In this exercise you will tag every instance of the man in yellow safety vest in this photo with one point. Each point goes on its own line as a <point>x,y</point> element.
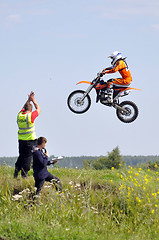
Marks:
<point>26,135</point>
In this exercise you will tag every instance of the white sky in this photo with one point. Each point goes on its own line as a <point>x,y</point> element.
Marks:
<point>49,45</point>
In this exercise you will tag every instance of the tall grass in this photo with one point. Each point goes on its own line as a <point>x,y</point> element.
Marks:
<point>108,204</point>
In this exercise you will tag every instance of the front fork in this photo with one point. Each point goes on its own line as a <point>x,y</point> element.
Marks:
<point>87,92</point>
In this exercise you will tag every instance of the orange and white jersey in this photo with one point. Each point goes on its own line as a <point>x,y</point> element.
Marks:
<point>120,66</point>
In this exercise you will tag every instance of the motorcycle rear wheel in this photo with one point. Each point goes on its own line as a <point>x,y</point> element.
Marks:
<point>74,103</point>
<point>132,112</point>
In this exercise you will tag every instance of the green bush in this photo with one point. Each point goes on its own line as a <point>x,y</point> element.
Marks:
<point>113,160</point>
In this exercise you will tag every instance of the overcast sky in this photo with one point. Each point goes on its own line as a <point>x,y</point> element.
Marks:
<point>49,45</point>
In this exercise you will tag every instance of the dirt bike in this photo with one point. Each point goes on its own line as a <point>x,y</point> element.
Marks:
<point>79,101</point>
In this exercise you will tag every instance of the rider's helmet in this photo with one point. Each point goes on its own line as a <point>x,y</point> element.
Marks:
<point>116,55</point>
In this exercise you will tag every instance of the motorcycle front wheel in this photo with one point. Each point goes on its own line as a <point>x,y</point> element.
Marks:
<point>131,112</point>
<point>75,104</point>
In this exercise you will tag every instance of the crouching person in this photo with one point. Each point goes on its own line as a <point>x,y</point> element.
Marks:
<point>40,162</point>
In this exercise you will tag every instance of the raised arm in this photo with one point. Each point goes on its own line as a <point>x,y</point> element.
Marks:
<point>36,105</point>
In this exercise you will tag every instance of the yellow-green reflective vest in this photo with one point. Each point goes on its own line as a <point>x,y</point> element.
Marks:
<point>26,127</point>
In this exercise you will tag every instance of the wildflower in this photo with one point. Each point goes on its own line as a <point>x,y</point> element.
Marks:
<point>77,185</point>
<point>155,166</point>
<point>148,170</point>
<point>120,187</point>
<point>154,194</point>
<point>47,186</point>
<point>25,191</point>
<point>156,205</point>
<point>156,173</point>
<point>94,209</point>
<point>112,168</point>
<point>152,211</point>
<point>139,200</point>
<point>16,197</point>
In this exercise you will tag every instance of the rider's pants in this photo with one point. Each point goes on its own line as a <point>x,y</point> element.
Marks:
<point>119,81</point>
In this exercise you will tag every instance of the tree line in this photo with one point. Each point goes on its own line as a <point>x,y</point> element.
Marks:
<point>112,159</point>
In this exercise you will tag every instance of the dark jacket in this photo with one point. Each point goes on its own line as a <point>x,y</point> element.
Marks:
<point>40,162</point>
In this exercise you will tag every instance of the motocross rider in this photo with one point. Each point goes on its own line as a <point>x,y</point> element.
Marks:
<point>118,64</point>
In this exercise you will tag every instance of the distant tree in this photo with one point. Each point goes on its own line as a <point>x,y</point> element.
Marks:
<point>87,164</point>
<point>114,159</point>
<point>8,161</point>
<point>140,160</point>
<point>101,163</point>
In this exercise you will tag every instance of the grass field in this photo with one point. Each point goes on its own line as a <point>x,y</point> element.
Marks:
<point>104,204</point>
